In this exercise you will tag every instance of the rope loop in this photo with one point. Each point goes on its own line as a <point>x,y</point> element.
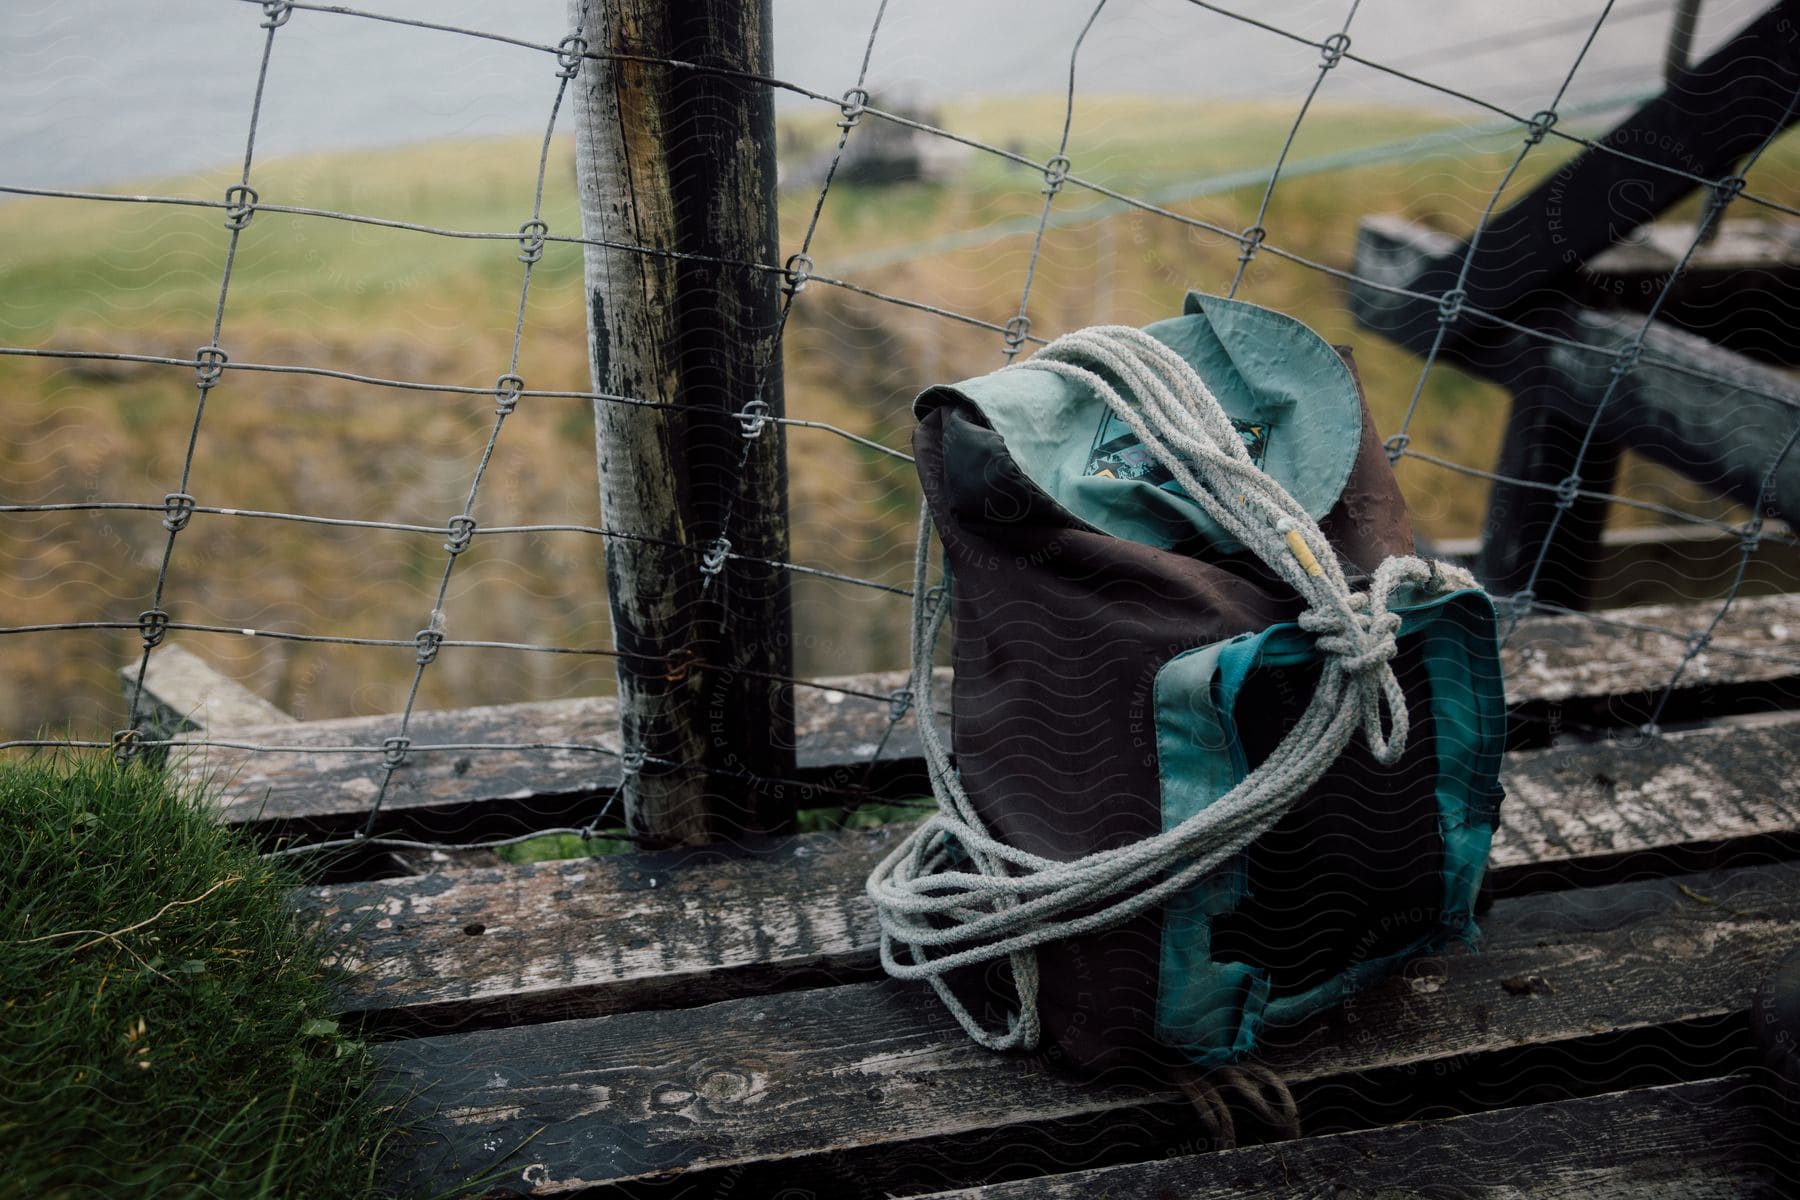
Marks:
<point>569,53</point>
<point>952,895</point>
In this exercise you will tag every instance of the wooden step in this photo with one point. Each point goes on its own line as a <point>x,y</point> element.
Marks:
<point>845,1086</point>
<point>1562,673</point>
<point>1692,1141</point>
<point>513,944</point>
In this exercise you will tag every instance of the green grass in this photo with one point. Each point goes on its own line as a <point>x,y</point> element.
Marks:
<point>167,1026</point>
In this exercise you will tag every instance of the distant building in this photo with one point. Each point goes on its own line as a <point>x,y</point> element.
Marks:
<point>882,152</point>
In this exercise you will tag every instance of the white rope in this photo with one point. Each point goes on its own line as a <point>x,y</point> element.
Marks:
<point>953,896</point>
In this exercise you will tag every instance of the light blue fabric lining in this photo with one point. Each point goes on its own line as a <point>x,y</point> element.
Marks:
<point>1214,1010</point>
<point>1263,366</point>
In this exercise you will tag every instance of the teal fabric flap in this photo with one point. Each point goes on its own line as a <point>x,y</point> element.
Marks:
<point>1291,397</point>
<point>1212,1010</point>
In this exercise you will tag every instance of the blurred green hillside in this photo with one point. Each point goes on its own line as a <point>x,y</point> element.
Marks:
<point>399,304</point>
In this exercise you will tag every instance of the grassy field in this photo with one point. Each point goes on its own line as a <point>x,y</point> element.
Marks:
<point>168,1028</point>
<point>400,304</point>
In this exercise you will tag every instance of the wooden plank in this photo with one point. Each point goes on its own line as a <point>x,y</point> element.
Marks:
<point>467,948</point>
<point>473,793</point>
<point>184,693</point>
<point>685,161</point>
<point>1688,1141</point>
<point>1562,668</point>
<point>822,1080</point>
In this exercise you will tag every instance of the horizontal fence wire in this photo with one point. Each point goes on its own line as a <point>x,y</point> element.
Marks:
<point>213,367</point>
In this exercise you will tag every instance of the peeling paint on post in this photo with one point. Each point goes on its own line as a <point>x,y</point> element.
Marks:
<point>678,164</point>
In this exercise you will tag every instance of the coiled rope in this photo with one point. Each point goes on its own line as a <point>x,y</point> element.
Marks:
<point>953,896</point>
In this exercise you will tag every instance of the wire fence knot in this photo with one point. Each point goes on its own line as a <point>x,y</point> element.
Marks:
<point>1056,173</point>
<point>631,762</point>
<point>1541,123</point>
<point>209,364</point>
<point>712,561</point>
<point>1396,446</point>
<point>1567,490</point>
<point>1450,305</point>
<point>460,529</point>
<point>178,510</point>
<point>798,270</point>
<point>507,390</point>
<point>1251,240</point>
<point>1521,603</point>
<point>1626,361</point>
<point>276,13</point>
<point>900,702</point>
<point>1697,643</point>
<point>934,596</point>
<point>569,53</point>
<point>428,641</point>
<point>1016,331</point>
<point>153,623</point>
<point>240,205</point>
<point>1728,189</point>
<point>393,750</point>
<point>531,240</point>
<point>853,105</point>
<point>126,744</point>
<point>1332,50</point>
<point>751,419</point>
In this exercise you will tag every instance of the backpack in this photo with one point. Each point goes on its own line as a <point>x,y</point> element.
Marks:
<point>1225,752</point>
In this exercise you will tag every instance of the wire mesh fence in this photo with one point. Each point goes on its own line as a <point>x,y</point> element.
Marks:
<point>370,339</point>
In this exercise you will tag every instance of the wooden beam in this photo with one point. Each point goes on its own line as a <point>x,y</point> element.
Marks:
<point>1693,1141</point>
<point>1560,671</point>
<point>676,169</point>
<point>516,944</point>
<point>842,1084</point>
<point>1715,416</point>
<point>185,694</point>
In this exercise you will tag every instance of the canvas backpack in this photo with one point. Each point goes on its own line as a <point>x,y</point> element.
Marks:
<point>1147,848</point>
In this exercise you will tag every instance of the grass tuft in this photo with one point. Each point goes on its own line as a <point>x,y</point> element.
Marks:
<point>166,1027</point>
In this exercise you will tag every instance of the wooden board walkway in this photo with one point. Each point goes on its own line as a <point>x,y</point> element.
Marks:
<point>713,1023</point>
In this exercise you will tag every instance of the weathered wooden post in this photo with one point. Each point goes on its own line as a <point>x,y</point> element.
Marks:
<point>675,157</point>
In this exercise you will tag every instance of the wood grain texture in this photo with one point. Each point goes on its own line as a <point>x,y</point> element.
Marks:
<point>1552,664</point>
<point>616,933</point>
<point>835,1072</point>
<point>676,170</point>
<point>1688,1141</point>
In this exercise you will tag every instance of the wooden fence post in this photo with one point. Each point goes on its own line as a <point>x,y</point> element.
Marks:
<point>676,168</point>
